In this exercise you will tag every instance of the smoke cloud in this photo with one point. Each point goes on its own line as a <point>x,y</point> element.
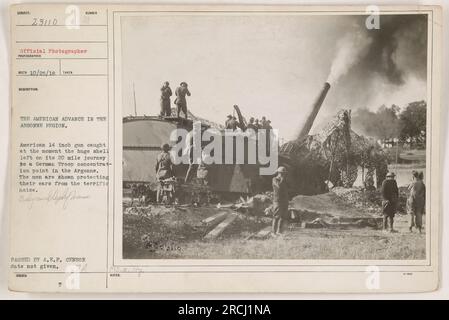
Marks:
<point>397,49</point>
<point>350,49</point>
<point>371,68</point>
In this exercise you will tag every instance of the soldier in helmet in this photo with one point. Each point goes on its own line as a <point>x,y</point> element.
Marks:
<point>280,201</point>
<point>234,123</point>
<point>166,93</point>
<point>251,124</point>
<point>268,125</point>
<point>164,165</point>
<point>257,124</point>
<point>416,201</point>
<point>390,195</point>
<point>231,123</point>
<point>180,100</point>
<point>228,120</point>
<point>263,123</point>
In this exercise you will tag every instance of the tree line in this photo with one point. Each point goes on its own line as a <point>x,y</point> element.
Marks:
<point>390,124</point>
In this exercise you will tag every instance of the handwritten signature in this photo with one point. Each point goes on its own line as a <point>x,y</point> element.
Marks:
<point>58,197</point>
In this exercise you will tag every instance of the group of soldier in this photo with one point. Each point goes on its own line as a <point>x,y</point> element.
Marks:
<point>415,205</point>
<point>181,103</point>
<point>255,124</point>
<point>165,168</point>
<point>279,208</point>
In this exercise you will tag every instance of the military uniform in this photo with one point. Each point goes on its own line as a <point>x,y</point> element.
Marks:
<point>180,100</point>
<point>166,93</point>
<point>280,203</point>
<point>251,126</point>
<point>231,124</point>
<point>227,122</point>
<point>164,166</point>
<point>390,194</point>
<point>416,203</point>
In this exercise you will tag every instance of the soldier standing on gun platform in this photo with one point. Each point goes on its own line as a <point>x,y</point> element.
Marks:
<point>263,123</point>
<point>257,125</point>
<point>166,93</point>
<point>231,123</point>
<point>390,194</point>
<point>251,124</point>
<point>268,125</point>
<point>180,100</point>
<point>228,119</point>
<point>280,201</point>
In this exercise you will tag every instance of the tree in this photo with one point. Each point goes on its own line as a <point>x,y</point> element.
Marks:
<point>388,122</point>
<point>413,123</point>
<point>383,124</point>
<point>362,122</point>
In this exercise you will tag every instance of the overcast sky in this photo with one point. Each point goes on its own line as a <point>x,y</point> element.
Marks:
<point>270,65</point>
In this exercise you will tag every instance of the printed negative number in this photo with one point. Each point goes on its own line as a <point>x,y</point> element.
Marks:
<point>39,22</point>
<point>244,310</point>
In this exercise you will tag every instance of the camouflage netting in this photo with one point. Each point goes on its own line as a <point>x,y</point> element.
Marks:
<point>334,155</point>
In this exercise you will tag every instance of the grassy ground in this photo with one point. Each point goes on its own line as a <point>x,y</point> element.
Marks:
<point>315,244</point>
<point>405,155</point>
<point>409,160</point>
<point>184,240</point>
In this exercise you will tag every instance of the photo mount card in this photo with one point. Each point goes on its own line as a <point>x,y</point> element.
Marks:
<point>249,148</point>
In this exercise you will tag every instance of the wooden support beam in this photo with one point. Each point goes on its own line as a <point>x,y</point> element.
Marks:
<point>218,217</point>
<point>221,227</point>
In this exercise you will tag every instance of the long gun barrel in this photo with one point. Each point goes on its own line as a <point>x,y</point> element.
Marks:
<point>316,107</point>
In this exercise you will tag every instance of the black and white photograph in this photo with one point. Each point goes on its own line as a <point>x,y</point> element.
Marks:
<point>274,136</point>
<point>227,149</point>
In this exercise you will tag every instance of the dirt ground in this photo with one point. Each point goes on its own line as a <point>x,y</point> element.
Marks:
<point>160,232</point>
